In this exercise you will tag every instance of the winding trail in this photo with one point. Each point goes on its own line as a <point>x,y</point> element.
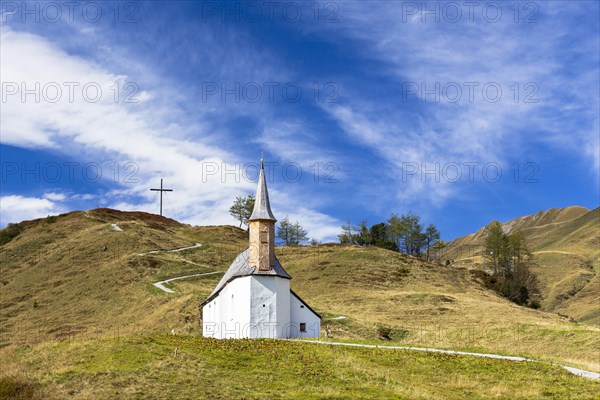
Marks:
<point>575,371</point>
<point>161,286</point>
<point>559,252</point>
<point>171,251</point>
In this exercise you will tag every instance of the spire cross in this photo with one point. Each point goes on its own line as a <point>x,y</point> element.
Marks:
<point>161,190</point>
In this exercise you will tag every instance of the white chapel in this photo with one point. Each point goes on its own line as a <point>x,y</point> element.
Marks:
<point>254,299</point>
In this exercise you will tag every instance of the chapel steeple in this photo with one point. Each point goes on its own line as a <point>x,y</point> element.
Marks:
<point>262,207</point>
<point>262,228</point>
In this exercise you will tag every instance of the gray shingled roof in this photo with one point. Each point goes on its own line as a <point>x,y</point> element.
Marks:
<point>262,208</point>
<point>241,267</point>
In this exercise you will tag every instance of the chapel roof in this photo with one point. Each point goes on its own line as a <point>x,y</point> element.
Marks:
<point>241,267</point>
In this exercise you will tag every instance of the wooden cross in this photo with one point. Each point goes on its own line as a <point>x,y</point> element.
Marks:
<point>161,190</point>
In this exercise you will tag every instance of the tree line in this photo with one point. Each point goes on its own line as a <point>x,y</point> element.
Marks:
<point>510,259</point>
<point>404,233</point>
<point>506,254</point>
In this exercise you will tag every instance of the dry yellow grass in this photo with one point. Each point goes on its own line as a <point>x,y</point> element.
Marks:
<point>58,283</point>
<point>78,276</point>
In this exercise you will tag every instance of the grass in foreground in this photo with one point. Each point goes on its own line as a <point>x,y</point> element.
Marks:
<point>161,367</point>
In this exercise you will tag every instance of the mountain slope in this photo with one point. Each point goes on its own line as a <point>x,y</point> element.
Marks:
<point>566,245</point>
<point>77,276</point>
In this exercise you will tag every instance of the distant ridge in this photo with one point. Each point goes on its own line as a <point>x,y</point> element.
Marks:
<point>566,243</point>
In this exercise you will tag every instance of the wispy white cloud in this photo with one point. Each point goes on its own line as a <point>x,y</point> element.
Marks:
<point>317,225</point>
<point>94,129</point>
<point>407,152</point>
<point>289,141</point>
<point>17,208</point>
<point>423,126</point>
<point>187,155</point>
<point>55,196</point>
<point>195,144</point>
<point>82,196</point>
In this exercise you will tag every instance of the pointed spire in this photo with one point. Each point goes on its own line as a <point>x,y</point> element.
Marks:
<point>262,207</point>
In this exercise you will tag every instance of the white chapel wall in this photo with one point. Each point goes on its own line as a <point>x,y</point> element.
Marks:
<point>259,306</point>
<point>228,315</point>
<point>299,313</point>
<point>269,306</point>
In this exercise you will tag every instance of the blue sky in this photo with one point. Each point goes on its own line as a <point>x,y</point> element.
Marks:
<point>461,113</point>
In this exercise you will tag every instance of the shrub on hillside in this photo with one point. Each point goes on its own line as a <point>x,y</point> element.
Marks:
<point>9,233</point>
<point>535,304</point>
<point>17,389</point>
<point>384,332</point>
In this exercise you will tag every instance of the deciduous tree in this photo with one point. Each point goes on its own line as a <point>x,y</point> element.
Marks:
<point>242,208</point>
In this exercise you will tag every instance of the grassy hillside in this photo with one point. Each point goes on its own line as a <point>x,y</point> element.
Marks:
<point>167,367</point>
<point>77,300</point>
<point>75,274</point>
<point>429,304</point>
<point>566,243</point>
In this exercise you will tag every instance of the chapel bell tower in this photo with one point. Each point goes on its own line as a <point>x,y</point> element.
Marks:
<point>262,228</point>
